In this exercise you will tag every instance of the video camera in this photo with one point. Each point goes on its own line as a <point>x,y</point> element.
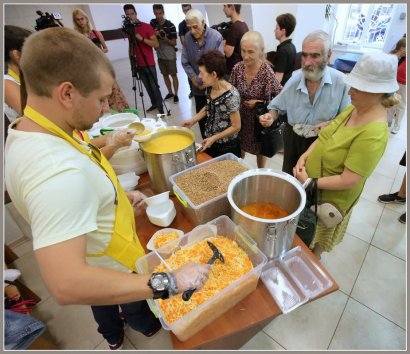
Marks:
<point>223,28</point>
<point>47,21</point>
<point>128,26</point>
<point>163,32</point>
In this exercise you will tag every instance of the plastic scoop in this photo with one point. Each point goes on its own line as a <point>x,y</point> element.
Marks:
<point>137,126</point>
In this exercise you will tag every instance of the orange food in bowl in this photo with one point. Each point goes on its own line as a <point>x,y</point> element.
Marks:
<point>164,238</point>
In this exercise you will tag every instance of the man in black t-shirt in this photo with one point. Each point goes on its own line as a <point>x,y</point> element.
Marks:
<point>284,61</point>
<point>182,31</point>
<point>232,45</point>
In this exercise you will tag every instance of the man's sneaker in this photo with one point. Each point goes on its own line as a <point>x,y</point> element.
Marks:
<point>190,95</point>
<point>402,218</point>
<point>154,331</point>
<point>119,345</point>
<point>391,198</point>
<point>151,108</point>
<point>168,96</point>
<point>176,99</point>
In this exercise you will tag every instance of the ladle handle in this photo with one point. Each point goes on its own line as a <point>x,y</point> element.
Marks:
<point>104,131</point>
<point>187,294</point>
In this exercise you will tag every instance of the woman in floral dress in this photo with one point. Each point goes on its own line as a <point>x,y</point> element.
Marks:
<point>222,107</point>
<point>116,100</point>
<point>256,82</point>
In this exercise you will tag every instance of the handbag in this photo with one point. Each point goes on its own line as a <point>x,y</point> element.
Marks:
<point>328,214</point>
<point>306,226</point>
<point>272,139</point>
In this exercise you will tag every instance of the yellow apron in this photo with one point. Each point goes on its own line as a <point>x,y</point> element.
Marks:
<point>124,246</point>
<point>13,74</point>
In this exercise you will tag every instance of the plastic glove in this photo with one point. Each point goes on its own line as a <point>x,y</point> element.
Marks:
<point>121,137</point>
<point>191,276</point>
<point>136,197</point>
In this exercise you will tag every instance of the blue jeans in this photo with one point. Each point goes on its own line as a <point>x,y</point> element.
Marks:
<point>148,76</point>
<point>137,314</point>
<point>20,330</point>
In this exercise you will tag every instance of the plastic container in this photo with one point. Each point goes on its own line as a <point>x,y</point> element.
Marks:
<point>128,159</point>
<point>128,181</point>
<point>294,279</point>
<point>202,213</point>
<point>157,199</point>
<point>200,317</point>
<point>162,214</point>
<point>150,244</point>
<point>119,120</point>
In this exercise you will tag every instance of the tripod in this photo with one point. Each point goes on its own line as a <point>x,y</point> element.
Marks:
<point>134,44</point>
<point>135,79</point>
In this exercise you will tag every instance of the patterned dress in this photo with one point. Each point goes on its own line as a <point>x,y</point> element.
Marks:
<point>264,86</point>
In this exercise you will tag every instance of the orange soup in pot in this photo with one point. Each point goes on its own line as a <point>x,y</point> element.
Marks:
<point>265,210</point>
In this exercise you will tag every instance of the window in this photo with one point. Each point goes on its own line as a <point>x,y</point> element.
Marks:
<point>367,25</point>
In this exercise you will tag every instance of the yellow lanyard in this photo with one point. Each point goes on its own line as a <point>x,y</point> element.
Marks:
<point>13,74</point>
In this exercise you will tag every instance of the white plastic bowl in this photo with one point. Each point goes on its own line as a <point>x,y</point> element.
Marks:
<point>150,244</point>
<point>157,199</point>
<point>162,214</point>
<point>119,120</point>
<point>128,181</point>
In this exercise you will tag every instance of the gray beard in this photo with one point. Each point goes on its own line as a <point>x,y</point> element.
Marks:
<point>315,75</point>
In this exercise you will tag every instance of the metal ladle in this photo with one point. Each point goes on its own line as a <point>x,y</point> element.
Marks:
<point>137,126</point>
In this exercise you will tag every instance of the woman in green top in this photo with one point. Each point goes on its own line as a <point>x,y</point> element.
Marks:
<point>350,147</point>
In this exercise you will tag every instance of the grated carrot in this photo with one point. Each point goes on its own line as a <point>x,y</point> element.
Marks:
<point>164,238</point>
<point>237,264</point>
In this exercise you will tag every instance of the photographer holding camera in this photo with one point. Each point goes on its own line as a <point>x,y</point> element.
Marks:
<point>146,39</point>
<point>167,58</point>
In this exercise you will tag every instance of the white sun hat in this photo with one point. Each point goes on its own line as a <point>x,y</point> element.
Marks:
<point>375,73</point>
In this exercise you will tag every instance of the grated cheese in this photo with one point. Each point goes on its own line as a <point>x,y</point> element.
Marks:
<point>164,238</point>
<point>237,264</point>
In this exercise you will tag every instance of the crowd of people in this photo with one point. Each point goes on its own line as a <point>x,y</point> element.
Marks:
<point>336,131</point>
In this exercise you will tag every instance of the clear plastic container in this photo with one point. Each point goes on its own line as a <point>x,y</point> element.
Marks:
<point>294,279</point>
<point>197,319</point>
<point>202,213</point>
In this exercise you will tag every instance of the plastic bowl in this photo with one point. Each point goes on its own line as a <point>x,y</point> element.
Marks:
<point>150,244</point>
<point>119,120</point>
<point>128,181</point>
<point>162,214</point>
<point>157,199</point>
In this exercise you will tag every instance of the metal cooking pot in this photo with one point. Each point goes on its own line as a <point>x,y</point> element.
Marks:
<point>162,166</point>
<point>273,236</point>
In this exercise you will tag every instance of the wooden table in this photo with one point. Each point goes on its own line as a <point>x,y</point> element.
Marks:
<point>239,324</point>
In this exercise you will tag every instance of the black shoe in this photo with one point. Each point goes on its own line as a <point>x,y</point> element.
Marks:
<point>161,111</point>
<point>176,99</point>
<point>190,95</point>
<point>154,331</point>
<point>168,96</point>
<point>151,108</point>
<point>391,198</point>
<point>402,218</point>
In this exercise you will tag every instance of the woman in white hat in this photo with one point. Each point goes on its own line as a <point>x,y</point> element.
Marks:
<point>349,148</point>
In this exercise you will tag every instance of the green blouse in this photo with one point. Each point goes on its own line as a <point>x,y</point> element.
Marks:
<point>358,148</point>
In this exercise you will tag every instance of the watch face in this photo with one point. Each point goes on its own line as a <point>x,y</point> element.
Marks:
<point>159,282</point>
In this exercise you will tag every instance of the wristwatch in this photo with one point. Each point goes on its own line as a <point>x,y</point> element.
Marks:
<point>162,285</point>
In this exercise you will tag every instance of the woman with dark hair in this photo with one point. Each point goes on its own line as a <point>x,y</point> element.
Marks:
<point>81,22</point>
<point>14,38</point>
<point>222,107</point>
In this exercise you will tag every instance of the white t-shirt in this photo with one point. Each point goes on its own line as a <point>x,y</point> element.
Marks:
<point>60,192</point>
<point>11,114</point>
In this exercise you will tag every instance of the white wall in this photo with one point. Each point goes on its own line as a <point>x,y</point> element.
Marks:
<point>397,28</point>
<point>216,14</point>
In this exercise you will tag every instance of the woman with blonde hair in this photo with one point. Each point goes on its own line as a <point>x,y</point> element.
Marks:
<point>256,82</point>
<point>348,150</point>
<point>81,22</point>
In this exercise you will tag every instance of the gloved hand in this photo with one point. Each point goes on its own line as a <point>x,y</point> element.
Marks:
<point>136,198</point>
<point>191,276</point>
<point>121,137</point>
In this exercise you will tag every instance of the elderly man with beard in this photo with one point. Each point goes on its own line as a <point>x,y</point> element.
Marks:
<point>312,97</point>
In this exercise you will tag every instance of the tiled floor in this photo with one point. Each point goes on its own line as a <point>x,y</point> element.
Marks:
<point>368,312</point>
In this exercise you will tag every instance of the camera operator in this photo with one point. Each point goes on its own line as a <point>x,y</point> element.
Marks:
<point>166,52</point>
<point>232,43</point>
<point>146,39</point>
